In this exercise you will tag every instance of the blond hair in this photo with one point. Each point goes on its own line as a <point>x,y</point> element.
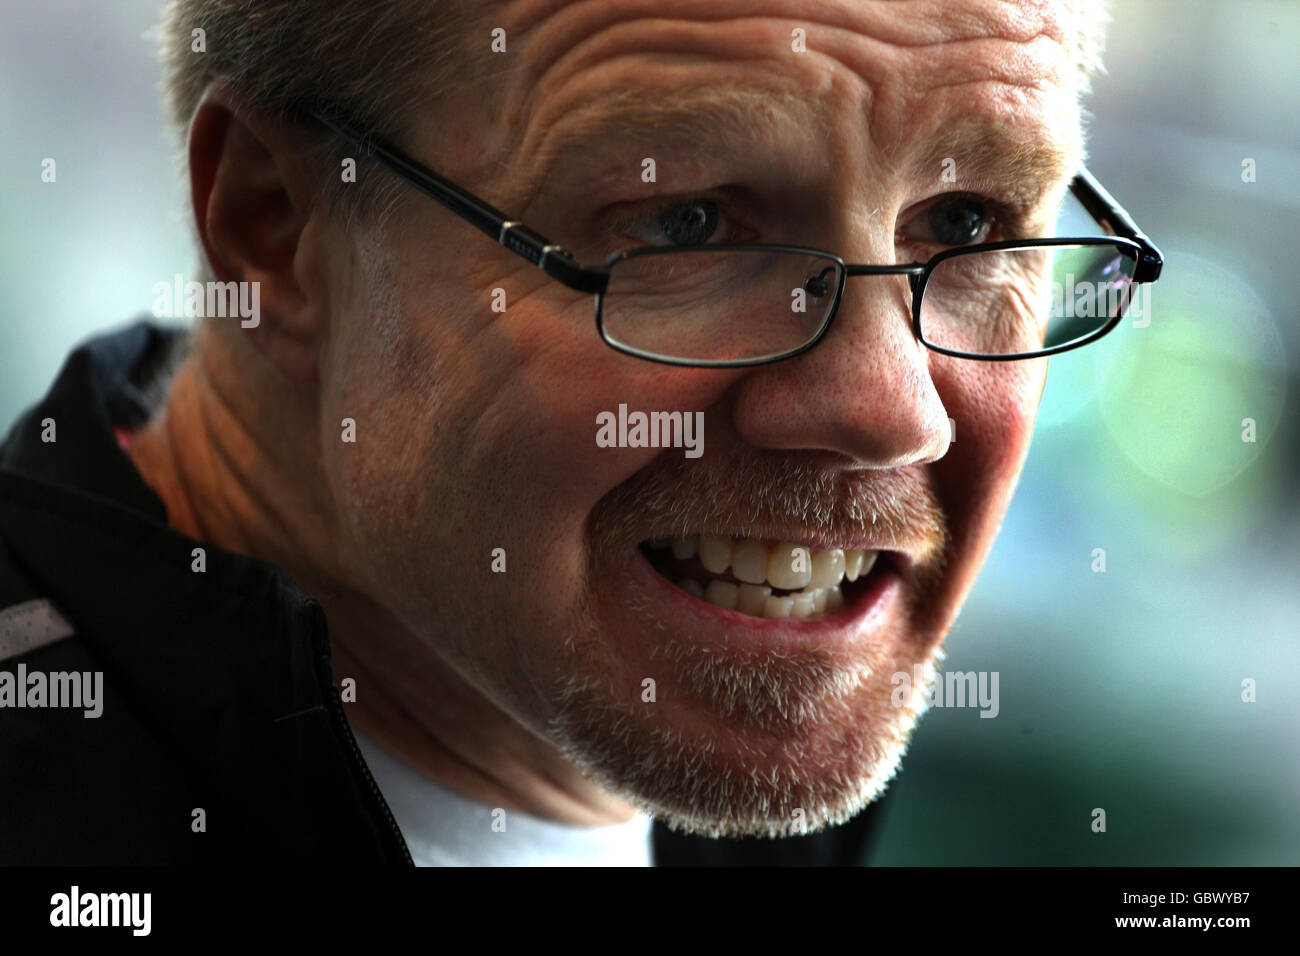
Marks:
<point>373,63</point>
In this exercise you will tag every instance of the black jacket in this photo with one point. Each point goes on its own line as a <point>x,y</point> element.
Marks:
<point>218,691</point>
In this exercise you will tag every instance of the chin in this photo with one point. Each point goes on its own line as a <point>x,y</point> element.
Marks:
<point>725,715</point>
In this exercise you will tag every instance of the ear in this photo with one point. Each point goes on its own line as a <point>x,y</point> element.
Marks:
<point>252,202</point>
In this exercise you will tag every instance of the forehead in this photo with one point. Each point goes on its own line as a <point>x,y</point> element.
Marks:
<point>887,85</point>
<point>897,65</point>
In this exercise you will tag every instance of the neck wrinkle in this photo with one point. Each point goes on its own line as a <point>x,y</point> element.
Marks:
<point>495,760</point>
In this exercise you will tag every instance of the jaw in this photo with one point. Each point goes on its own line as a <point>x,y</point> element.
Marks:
<point>726,723</point>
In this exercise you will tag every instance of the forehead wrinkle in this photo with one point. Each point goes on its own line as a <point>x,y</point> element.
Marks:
<point>709,114</point>
<point>901,23</point>
<point>556,31</point>
<point>563,38</point>
<point>635,112</point>
<point>731,110</point>
<point>918,24</point>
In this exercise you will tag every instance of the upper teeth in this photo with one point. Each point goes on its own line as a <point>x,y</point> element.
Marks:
<point>789,567</point>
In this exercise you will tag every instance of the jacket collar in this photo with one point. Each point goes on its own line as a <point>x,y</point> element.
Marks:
<point>229,666</point>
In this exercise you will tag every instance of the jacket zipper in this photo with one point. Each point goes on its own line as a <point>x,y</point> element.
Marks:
<point>360,764</point>
<point>341,720</point>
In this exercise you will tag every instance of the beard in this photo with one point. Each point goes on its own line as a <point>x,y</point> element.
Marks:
<point>730,742</point>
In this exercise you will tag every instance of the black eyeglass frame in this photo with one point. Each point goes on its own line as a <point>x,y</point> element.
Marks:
<point>558,263</point>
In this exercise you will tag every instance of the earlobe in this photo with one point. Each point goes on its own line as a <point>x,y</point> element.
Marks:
<point>249,188</point>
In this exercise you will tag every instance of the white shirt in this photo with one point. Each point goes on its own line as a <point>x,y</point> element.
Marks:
<point>444,828</point>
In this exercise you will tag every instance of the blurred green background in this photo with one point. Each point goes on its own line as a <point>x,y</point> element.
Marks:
<point>1120,690</point>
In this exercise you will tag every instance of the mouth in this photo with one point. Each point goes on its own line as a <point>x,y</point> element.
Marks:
<point>767,579</point>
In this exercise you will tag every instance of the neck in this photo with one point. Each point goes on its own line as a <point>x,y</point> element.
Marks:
<point>232,479</point>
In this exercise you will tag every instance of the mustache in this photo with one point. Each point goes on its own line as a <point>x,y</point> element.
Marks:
<point>750,489</point>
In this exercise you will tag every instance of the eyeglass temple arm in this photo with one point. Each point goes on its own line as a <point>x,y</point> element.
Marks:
<point>1102,206</point>
<point>554,260</point>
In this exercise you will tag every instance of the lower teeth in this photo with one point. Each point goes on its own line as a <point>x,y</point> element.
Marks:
<point>758,600</point>
<point>702,564</point>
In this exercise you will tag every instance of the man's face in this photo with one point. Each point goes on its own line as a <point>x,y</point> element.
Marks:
<point>477,428</point>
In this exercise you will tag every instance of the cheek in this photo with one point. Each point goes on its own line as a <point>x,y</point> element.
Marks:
<point>544,378</point>
<point>477,430</point>
<point>994,406</point>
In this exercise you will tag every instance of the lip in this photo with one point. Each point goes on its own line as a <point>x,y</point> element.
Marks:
<point>860,620</point>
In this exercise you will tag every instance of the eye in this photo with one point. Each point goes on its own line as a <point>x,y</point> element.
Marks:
<point>690,223</point>
<point>682,223</point>
<point>954,221</point>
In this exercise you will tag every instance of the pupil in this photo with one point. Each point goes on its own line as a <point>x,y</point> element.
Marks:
<point>957,223</point>
<point>689,223</point>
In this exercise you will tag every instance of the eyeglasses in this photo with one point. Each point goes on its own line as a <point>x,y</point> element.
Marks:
<point>729,306</point>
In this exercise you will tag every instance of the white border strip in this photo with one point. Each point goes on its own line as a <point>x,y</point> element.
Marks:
<point>32,624</point>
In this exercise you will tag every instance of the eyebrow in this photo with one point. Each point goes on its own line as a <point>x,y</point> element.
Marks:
<point>638,115</point>
<point>1021,163</point>
<point>1024,162</point>
<point>706,111</point>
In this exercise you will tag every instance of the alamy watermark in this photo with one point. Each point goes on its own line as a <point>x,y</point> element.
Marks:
<point>1100,299</point>
<point>76,689</point>
<point>651,430</point>
<point>75,908</point>
<point>948,689</point>
<point>196,300</point>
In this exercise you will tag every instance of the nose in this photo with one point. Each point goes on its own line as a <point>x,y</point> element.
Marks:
<point>863,392</point>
